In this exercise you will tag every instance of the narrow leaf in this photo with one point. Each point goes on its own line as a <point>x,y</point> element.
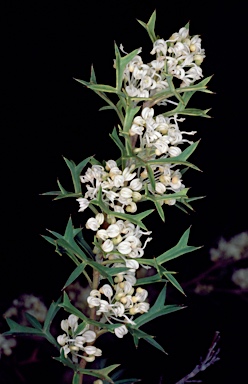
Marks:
<point>74,275</point>
<point>52,311</point>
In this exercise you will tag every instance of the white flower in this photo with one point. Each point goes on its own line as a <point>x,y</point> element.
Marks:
<point>102,234</point>
<point>136,185</point>
<point>174,151</point>
<point>160,188</point>
<point>73,342</point>
<point>92,224</point>
<point>72,322</point>
<point>106,290</point>
<point>126,193</point>
<point>83,203</point>
<point>107,246</point>
<point>113,230</point>
<point>124,247</point>
<point>121,331</point>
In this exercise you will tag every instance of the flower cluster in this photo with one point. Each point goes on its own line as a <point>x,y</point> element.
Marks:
<point>119,303</point>
<point>73,340</point>
<point>121,239</point>
<point>120,189</point>
<point>162,134</point>
<point>236,248</point>
<point>27,303</point>
<point>180,56</point>
<point>6,345</point>
<point>240,278</point>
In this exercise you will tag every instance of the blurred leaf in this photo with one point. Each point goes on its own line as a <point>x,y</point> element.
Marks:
<point>76,378</point>
<point>16,328</point>
<point>51,313</point>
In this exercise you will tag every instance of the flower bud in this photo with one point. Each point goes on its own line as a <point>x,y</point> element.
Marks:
<point>121,331</point>
<point>136,196</point>
<point>107,246</point>
<point>198,59</point>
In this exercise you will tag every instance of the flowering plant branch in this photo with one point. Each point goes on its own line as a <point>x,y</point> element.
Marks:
<point>153,159</point>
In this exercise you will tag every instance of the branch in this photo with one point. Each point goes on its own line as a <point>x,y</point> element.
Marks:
<point>211,358</point>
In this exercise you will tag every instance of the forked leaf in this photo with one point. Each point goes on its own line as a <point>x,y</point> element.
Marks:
<point>158,309</point>
<point>74,275</point>
<point>102,374</point>
<point>189,112</point>
<point>134,218</point>
<point>114,136</point>
<point>51,313</point>
<point>33,321</point>
<point>121,63</point>
<point>174,282</point>
<point>16,329</point>
<point>149,280</point>
<point>150,26</point>
<point>76,171</point>
<point>179,249</point>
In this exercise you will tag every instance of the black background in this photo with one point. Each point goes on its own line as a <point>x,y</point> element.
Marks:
<point>46,115</point>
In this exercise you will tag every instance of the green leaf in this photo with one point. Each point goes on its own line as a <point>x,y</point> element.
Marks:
<point>121,63</point>
<point>169,79</point>
<point>150,280</point>
<point>158,309</point>
<point>151,176</point>
<point>134,218</point>
<point>76,378</point>
<point>114,136</point>
<point>100,87</point>
<point>51,313</point>
<point>80,240</point>
<point>173,281</point>
<point>150,26</point>
<point>180,159</point>
<point>92,75</point>
<point>189,112</point>
<point>102,374</point>
<point>130,113</point>
<point>73,250</point>
<point>155,344</point>
<point>16,328</point>
<point>71,232</point>
<point>105,108</point>
<point>74,275</point>
<point>70,194</point>
<point>49,239</point>
<point>71,309</point>
<point>179,249</point>
<point>33,321</point>
<point>159,210</point>
<point>76,171</point>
